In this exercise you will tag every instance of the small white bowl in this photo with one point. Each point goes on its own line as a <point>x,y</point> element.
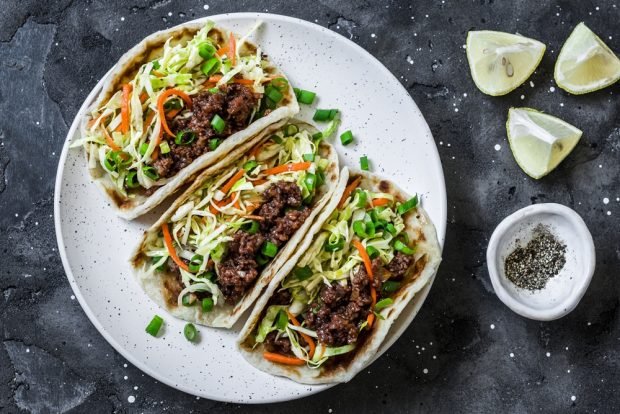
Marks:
<point>562,292</point>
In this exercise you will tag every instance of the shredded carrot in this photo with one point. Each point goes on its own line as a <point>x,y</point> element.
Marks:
<point>143,97</point>
<point>257,218</point>
<point>170,247</point>
<point>260,181</point>
<point>282,359</point>
<point>125,108</point>
<point>380,202</point>
<point>348,191</point>
<point>237,204</point>
<point>371,316</point>
<point>307,338</point>
<point>214,78</point>
<point>300,166</point>
<point>232,48</point>
<point>226,187</point>
<point>222,51</point>
<point>173,113</point>
<point>155,153</point>
<point>109,140</point>
<point>148,120</point>
<point>160,105</point>
<point>256,150</point>
<point>217,78</point>
<point>92,121</point>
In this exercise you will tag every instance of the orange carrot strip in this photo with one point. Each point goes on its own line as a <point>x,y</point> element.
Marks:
<point>170,247</point>
<point>173,113</point>
<point>226,187</point>
<point>148,120</point>
<point>214,78</point>
<point>371,316</point>
<point>125,108</point>
<point>160,105</point>
<point>360,248</point>
<point>380,202</point>
<point>282,359</point>
<point>232,48</point>
<point>243,81</point>
<point>300,166</point>
<point>109,140</point>
<point>347,191</point>
<point>307,338</point>
<point>92,121</point>
<point>222,51</point>
<point>237,204</point>
<point>260,181</point>
<point>143,97</point>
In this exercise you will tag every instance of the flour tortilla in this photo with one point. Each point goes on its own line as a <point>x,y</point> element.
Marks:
<point>149,49</point>
<point>224,315</point>
<point>428,256</point>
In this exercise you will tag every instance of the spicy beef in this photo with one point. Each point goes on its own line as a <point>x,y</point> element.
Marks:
<point>279,345</point>
<point>240,269</point>
<point>399,265</point>
<point>234,103</point>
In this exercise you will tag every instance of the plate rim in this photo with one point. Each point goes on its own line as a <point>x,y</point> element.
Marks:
<point>440,226</point>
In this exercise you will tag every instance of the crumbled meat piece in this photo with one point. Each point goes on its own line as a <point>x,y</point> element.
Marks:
<point>284,227</point>
<point>233,103</point>
<point>360,290</point>
<point>334,294</point>
<point>277,197</point>
<point>399,265</point>
<point>246,244</point>
<point>281,297</point>
<point>235,275</point>
<point>278,345</point>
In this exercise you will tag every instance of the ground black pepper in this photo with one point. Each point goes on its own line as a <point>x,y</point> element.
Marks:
<point>543,257</point>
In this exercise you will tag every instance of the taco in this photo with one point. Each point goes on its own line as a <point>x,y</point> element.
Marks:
<point>329,308</point>
<point>209,257</point>
<point>176,103</point>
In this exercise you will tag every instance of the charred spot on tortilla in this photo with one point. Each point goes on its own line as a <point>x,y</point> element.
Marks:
<point>385,186</point>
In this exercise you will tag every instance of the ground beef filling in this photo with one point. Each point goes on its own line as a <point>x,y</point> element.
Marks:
<point>234,103</point>
<point>239,269</point>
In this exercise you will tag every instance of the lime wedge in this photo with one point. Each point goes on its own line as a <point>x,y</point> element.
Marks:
<point>500,62</point>
<point>539,142</point>
<point>585,63</point>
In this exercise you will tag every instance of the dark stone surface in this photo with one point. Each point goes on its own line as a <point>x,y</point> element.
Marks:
<point>451,359</point>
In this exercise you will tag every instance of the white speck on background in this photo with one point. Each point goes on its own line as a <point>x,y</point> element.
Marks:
<point>409,60</point>
<point>122,19</point>
<point>373,35</point>
<point>568,371</point>
<point>465,95</point>
<point>617,198</point>
<point>425,370</point>
<point>608,213</point>
<point>72,297</point>
<point>512,355</point>
<point>605,200</point>
<point>456,109</point>
<point>552,89</point>
<point>561,103</point>
<point>464,46</point>
<point>597,8</point>
<point>169,13</point>
<point>522,97</point>
<point>600,166</point>
<point>548,354</point>
<point>124,365</point>
<point>492,326</point>
<point>125,378</point>
<point>135,388</point>
<point>573,398</point>
<point>206,7</point>
<point>531,84</point>
<point>330,411</point>
<point>131,399</point>
<point>497,148</point>
<point>27,350</point>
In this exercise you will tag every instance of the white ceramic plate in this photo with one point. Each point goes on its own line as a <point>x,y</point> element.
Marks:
<point>95,245</point>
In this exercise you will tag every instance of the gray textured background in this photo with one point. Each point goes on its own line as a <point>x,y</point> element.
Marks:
<point>456,356</point>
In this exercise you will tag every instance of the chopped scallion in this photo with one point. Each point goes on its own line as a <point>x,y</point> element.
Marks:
<point>364,165</point>
<point>302,273</point>
<point>218,124</point>
<point>210,66</point>
<point>308,157</point>
<point>402,247</point>
<point>346,137</point>
<point>154,326</point>
<point>190,332</point>
<point>206,50</point>
<point>164,147</point>
<point>269,249</point>
<point>185,137</point>
<point>214,143</point>
<point>408,205</point>
<point>383,303</point>
<point>195,263</point>
<point>207,304</point>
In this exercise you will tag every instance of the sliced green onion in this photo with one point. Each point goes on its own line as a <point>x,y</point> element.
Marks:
<point>110,161</point>
<point>156,64</point>
<point>346,137</point>
<point>308,157</point>
<point>208,275</point>
<point>390,286</point>
<point>302,273</point>
<point>364,163</point>
<point>372,252</point>
<point>251,227</point>
<point>154,326</point>
<point>214,143</point>
<point>402,247</point>
<point>184,137</point>
<point>364,230</point>
<point>320,177</point>
<point>218,252</point>
<point>164,147</point>
<point>310,181</point>
<point>250,165</point>
<point>213,90</point>
<point>391,229</point>
<point>270,104</point>
<point>210,66</point>
<point>383,303</point>
<point>156,259</point>
<point>218,124</point>
<point>190,332</point>
<point>325,114</point>
<point>304,96</point>
<point>269,249</point>
<point>317,136</point>
<point>282,320</point>
<point>150,172</point>
<point>131,181</point>
<point>187,299</point>
<point>262,260</point>
<point>408,205</point>
<point>207,304</point>
<point>363,198</point>
<point>206,50</point>
<point>276,139</point>
<point>273,94</point>
<point>290,129</point>
<point>334,247</point>
<point>195,263</point>
<point>143,148</point>
<point>280,84</point>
